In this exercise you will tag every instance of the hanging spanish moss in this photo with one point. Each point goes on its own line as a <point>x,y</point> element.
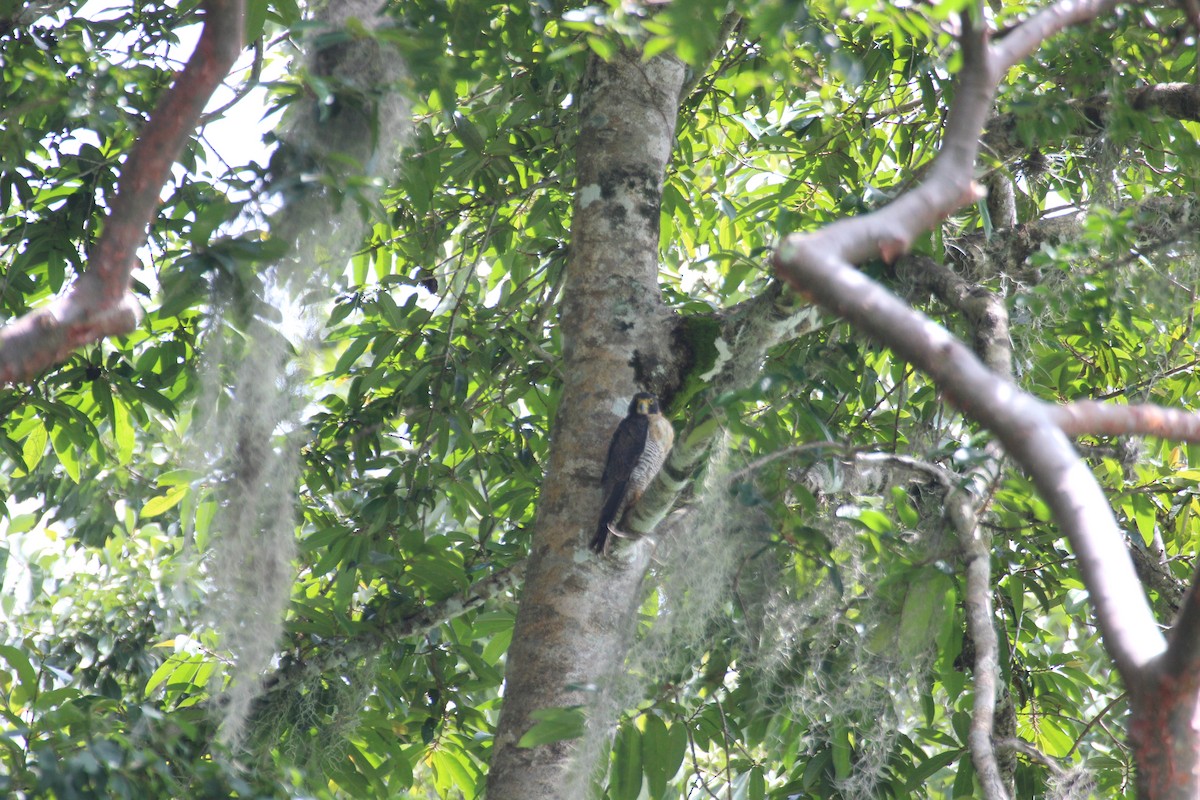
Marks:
<point>724,612</point>
<point>248,432</point>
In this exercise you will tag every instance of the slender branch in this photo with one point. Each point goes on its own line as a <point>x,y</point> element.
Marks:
<point>1026,749</point>
<point>728,25</point>
<point>962,512</point>
<point>787,452</point>
<point>346,651</point>
<point>820,264</point>
<point>243,91</point>
<point>976,544</point>
<point>100,303</point>
<point>1094,721</point>
<point>988,317</point>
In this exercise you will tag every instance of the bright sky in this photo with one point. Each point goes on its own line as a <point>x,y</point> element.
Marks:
<point>236,138</point>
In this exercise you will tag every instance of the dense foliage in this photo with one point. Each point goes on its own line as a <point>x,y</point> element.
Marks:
<point>427,404</point>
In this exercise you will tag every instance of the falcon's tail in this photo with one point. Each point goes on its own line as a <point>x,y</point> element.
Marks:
<point>608,516</point>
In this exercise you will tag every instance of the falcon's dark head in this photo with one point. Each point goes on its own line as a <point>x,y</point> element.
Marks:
<point>643,403</point>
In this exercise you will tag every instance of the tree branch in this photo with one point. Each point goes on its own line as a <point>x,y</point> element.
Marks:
<point>987,315</point>
<point>1157,222</point>
<point>1091,417</point>
<point>335,655</point>
<point>962,512</point>
<point>100,303</point>
<point>821,265</point>
<point>984,311</point>
<point>1026,749</point>
<point>1006,133</point>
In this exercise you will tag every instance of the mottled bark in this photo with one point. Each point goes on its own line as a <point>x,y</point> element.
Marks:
<point>571,627</point>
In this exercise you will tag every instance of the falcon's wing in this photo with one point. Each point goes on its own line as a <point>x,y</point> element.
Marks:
<point>628,442</point>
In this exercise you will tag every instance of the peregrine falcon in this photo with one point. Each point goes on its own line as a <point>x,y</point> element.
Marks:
<point>638,449</point>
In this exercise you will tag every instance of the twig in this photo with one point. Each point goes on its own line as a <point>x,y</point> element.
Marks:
<point>371,642</point>
<point>1025,748</point>
<point>243,90</point>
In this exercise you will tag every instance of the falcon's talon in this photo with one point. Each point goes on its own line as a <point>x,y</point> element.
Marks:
<point>619,534</point>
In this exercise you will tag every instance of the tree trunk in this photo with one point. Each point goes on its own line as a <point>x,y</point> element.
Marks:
<point>572,624</point>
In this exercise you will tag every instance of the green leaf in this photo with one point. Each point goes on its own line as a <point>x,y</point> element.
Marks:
<point>842,752</point>
<point>22,523</point>
<point>206,511</point>
<point>930,766</point>
<point>625,777</point>
<point>34,447</point>
<point>925,607</point>
<point>554,725</point>
<point>26,675</point>
<point>351,355</point>
<point>676,750</point>
<point>757,789</point>
<point>656,757</point>
<point>64,448</point>
<point>122,431</point>
<point>453,771</point>
<point>164,502</point>
<point>164,671</point>
<point>874,520</point>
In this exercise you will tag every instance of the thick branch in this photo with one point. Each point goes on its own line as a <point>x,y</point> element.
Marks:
<point>1156,222</point>
<point>1089,417</point>
<point>100,303</point>
<point>984,311</point>
<point>1024,425</point>
<point>821,264</point>
<point>1008,134</point>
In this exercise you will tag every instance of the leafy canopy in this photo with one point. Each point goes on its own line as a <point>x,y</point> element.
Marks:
<point>429,400</point>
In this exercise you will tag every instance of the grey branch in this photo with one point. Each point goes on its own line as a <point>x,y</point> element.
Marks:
<point>344,652</point>
<point>1026,749</point>
<point>821,265</point>
<point>963,500</point>
<point>1085,117</point>
<point>983,310</point>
